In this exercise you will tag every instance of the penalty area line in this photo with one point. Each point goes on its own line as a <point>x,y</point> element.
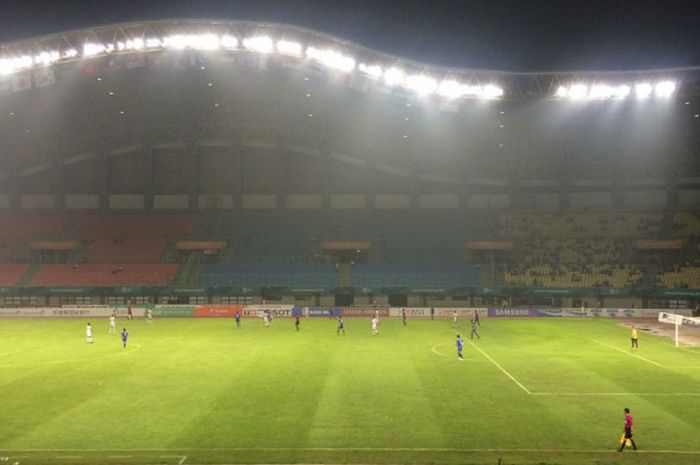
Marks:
<point>505,372</point>
<point>628,353</point>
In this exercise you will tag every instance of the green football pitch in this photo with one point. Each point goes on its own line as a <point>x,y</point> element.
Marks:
<point>546,391</point>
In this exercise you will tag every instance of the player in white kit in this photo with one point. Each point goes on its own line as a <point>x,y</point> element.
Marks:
<point>88,333</point>
<point>112,325</point>
<point>375,325</point>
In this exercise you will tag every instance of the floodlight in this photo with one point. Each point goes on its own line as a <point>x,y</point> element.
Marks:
<point>153,42</point>
<point>423,85</point>
<point>260,44</point>
<point>332,59</point>
<point>665,88</point>
<point>600,91</point>
<point>621,91</point>
<point>491,91</point>
<point>373,71</point>
<point>474,91</point>
<point>193,41</point>
<point>91,49</point>
<point>12,65</point>
<point>70,53</point>
<point>287,47</point>
<point>229,42</point>
<point>562,92</point>
<point>643,90</point>
<point>46,58</point>
<point>394,76</point>
<point>578,91</point>
<point>451,89</point>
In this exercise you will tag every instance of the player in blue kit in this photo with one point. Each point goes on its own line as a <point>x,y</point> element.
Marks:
<point>125,336</point>
<point>237,317</point>
<point>460,345</point>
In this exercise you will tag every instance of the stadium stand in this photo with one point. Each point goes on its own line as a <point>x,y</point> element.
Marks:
<point>686,224</point>
<point>135,225</point>
<point>610,225</point>
<point>31,225</point>
<point>112,274</point>
<point>369,275</point>
<point>687,277</point>
<point>269,275</point>
<point>126,250</point>
<point>569,276</point>
<point>10,273</point>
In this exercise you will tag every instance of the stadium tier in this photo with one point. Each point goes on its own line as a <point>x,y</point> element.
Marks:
<point>573,276</point>
<point>270,275</point>
<point>684,277</point>
<point>10,274</point>
<point>139,225</point>
<point>126,250</point>
<point>104,274</point>
<point>581,225</point>
<point>31,225</point>
<point>418,275</point>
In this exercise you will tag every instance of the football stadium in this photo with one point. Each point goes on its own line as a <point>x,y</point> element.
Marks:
<point>237,242</point>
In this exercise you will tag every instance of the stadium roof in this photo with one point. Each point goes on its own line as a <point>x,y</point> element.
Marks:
<point>187,84</point>
<point>337,54</point>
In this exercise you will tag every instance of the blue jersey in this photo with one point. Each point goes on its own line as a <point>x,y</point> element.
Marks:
<point>124,335</point>
<point>459,344</point>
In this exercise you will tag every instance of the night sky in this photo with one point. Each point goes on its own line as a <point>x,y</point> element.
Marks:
<point>525,35</point>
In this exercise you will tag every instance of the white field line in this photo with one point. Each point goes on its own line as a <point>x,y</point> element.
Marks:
<point>603,394</point>
<point>500,368</point>
<point>181,457</point>
<point>120,456</point>
<point>350,449</point>
<point>629,353</point>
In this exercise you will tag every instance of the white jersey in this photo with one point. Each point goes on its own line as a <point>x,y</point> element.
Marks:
<point>375,322</point>
<point>454,316</point>
<point>149,314</point>
<point>88,331</point>
<point>112,321</point>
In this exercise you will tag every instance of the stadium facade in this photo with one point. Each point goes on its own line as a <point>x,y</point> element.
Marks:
<point>271,162</point>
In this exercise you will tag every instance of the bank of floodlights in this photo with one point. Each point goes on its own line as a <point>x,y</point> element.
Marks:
<point>421,83</point>
<point>640,90</point>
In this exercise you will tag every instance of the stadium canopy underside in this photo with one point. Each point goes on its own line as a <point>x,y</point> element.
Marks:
<point>128,107</point>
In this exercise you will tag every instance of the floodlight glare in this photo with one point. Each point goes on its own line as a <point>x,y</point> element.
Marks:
<point>153,42</point>
<point>474,91</point>
<point>260,44</point>
<point>600,91</point>
<point>423,85</point>
<point>562,92</point>
<point>394,76</point>
<point>578,91</point>
<point>373,71</point>
<point>491,91</point>
<point>332,59</point>
<point>286,47</point>
<point>91,49</point>
<point>643,90</point>
<point>46,58</point>
<point>665,88</point>
<point>451,89</point>
<point>193,41</point>
<point>70,53</point>
<point>229,42</point>
<point>621,91</point>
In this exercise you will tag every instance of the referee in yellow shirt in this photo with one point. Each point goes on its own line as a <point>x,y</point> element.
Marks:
<point>635,340</point>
